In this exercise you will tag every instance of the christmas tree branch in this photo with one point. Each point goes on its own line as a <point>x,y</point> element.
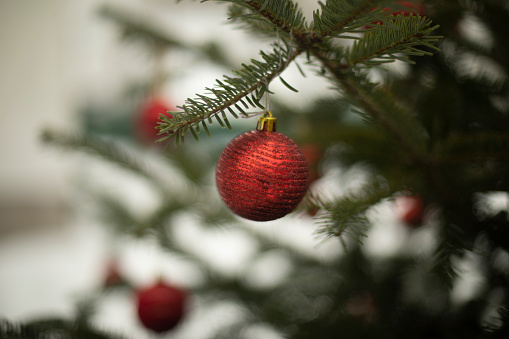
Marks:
<point>52,327</point>
<point>282,14</point>
<point>442,266</point>
<point>101,148</point>
<point>235,95</point>
<point>346,216</point>
<point>228,95</point>
<point>379,106</point>
<point>396,40</point>
<point>339,16</point>
<point>158,224</point>
<point>134,27</point>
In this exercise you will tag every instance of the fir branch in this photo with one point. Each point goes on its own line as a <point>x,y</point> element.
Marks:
<point>232,92</point>
<point>346,217</point>
<point>397,39</point>
<point>229,94</point>
<point>252,80</point>
<point>51,328</point>
<point>136,28</point>
<point>343,16</point>
<point>379,106</point>
<point>282,14</point>
<point>245,19</point>
<point>443,267</point>
<point>120,216</point>
<point>158,224</point>
<point>498,325</point>
<point>339,16</point>
<point>102,148</point>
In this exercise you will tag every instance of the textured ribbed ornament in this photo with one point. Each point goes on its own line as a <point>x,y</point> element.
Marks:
<point>262,175</point>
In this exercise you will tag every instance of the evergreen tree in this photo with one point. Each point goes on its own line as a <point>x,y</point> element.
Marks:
<point>437,132</point>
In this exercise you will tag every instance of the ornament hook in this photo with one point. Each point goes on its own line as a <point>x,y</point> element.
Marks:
<point>266,122</point>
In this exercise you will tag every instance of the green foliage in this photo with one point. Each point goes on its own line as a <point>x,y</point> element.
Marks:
<point>107,150</point>
<point>398,39</point>
<point>51,328</point>
<point>234,95</point>
<point>379,106</point>
<point>342,16</point>
<point>155,38</point>
<point>282,14</point>
<point>136,29</point>
<point>346,217</point>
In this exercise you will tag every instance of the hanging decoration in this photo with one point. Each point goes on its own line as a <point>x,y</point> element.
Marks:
<point>148,119</point>
<point>161,306</point>
<point>262,175</point>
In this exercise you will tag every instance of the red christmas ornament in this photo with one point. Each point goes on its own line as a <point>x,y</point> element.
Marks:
<point>410,209</point>
<point>148,119</point>
<point>313,154</point>
<point>262,174</point>
<point>113,277</point>
<point>161,306</point>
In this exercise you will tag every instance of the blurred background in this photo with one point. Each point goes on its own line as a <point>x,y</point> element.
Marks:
<point>59,61</point>
<point>85,197</point>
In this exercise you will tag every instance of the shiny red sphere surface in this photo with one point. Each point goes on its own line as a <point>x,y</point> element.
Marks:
<point>161,306</point>
<point>262,175</point>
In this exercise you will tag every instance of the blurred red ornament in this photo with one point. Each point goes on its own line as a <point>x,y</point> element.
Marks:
<point>161,306</point>
<point>148,119</point>
<point>313,155</point>
<point>312,211</point>
<point>262,174</point>
<point>113,276</point>
<point>362,305</point>
<point>410,209</point>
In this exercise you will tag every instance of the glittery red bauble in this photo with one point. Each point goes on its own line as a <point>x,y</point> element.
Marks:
<point>161,306</point>
<point>410,209</point>
<point>262,175</point>
<point>148,119</point>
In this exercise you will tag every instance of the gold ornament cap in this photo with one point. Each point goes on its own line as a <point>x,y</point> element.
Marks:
<point>266,122</point>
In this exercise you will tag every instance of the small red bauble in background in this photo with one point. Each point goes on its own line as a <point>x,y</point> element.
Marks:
<point>262,175</point>
<point>410,209</point>
<point>362,306</point>
<point>161,306</point>
<point>313,154</point>
<point>148,119</point>
<point>113,277</point>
